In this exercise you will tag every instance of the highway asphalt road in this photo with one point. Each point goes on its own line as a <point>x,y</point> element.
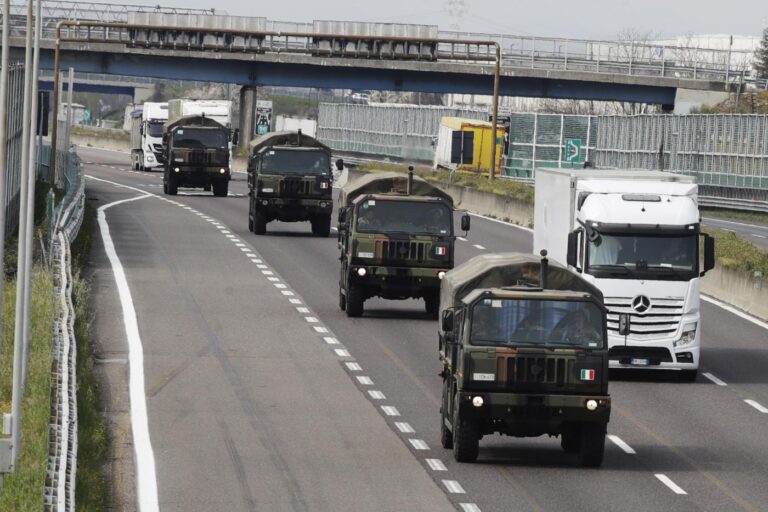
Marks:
<point>755,233</point>
<point>253,406</point>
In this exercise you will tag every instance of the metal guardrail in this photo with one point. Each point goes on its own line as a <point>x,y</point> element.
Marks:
<point>734,204</point>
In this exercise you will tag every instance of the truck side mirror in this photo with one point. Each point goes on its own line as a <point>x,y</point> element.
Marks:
<point>709,253</point>
<point>573,249</point>
<point>447,321</point>
<point>624,324</point>
<point>340,164</point>
<point>465,222</point>
<point>236,137</point>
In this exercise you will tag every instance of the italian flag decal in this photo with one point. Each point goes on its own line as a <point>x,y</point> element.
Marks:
<point>323,185</point>
<point>587,374</point>
<point>440,251</point>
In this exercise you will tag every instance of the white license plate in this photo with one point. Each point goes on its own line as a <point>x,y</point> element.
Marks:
<point>639,362</point>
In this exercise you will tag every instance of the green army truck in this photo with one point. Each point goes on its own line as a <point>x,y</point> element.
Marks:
<point>396,237</point>
<point>524,349</point>
<point>290,180</point>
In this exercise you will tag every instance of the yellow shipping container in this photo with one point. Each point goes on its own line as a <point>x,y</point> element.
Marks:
<point>458,138</point>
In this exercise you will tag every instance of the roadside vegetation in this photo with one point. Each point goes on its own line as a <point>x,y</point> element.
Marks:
<point>103,133</point>
<point>735,253</point>
<point>502,187</point>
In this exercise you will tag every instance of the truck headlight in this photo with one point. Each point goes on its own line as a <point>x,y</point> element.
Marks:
<point>361,272</point>
<point>150,158</point>
<point>689,334</point>
<point>440,274</point>
<point>591,405</point>
<point>267,190</point>
<point>223,171</point>
<point>177,169</point>
<point>478,401</point>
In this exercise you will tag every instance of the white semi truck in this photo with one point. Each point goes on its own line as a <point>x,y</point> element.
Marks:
<point>147,124</point>
<point>635,234</point>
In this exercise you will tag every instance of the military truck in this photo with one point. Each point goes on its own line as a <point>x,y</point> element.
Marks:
<point>524,349</point>
<point>197,155</point>
<point>290,180</point>
<point>396,238</point>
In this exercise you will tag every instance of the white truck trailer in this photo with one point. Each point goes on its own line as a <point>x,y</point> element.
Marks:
<point>147,135</point>
<point>635,234</point>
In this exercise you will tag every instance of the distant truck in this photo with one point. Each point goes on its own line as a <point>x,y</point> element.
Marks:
<point>290,180</point>
<point>147,126</point>
<point>635,235</point>
<point>197,155</point>
<point>218,110</point>
<point>466,144</point>
<point>396,237</point>
<point>523,346</point>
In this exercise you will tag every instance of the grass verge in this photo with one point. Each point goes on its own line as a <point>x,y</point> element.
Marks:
<point>735,253</point>
<point>502,187</point>
<point>23,489</point>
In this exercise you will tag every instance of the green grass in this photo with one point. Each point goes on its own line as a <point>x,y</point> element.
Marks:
<point>758,218</point>
<point>518,191</point>
<point>736,253</point>
<point>23,489</point>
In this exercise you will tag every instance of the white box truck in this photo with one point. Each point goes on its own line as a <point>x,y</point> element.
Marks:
<point>147,125</point>
<point>636,235</point>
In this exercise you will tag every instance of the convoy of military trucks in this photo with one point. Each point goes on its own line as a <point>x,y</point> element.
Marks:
<point>525,343</point>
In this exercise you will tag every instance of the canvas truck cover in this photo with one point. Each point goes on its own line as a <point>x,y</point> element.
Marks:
<point>286,138</point>
<point>386,183</point>
<point>197,121</point>
<point>506,269</point>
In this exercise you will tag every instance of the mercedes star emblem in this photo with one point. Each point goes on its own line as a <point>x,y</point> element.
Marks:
<point>641,303</point>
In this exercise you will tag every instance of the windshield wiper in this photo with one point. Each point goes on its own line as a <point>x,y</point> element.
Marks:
<point>622,268</point>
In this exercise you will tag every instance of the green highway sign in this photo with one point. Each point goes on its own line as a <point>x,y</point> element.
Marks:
<point>573,150</point>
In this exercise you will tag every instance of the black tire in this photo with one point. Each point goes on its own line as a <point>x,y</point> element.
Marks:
<point>259,222</point>
<point>592,445</point>
<point>446,436</point>
<point>570,439</point>
<point>321,225</point>
<point>466,438</point>
<point>687,375</point>
<point>172,186</point>
<point>342,301</point>
<point>432,304</point>
<point>355,301</point>
<point>221,188</point>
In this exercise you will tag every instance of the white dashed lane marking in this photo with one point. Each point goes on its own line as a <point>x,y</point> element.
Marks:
<point>331,340</point>
<point>354,367</point>
<point>390,410</point>
<point>621,444</point>
<point>364,380</point>
<point>478,246</point>
<point>469,507</point>
<point>376,395</point>
<point>757,406</point>
<point>436,465</point>
<point>418,444</point>
<point>453,487</point>
<point>669,483</point>
<point>405,428</point>
<point>714,379</point>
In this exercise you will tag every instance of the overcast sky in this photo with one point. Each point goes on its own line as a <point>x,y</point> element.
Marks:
<point>563,18</point>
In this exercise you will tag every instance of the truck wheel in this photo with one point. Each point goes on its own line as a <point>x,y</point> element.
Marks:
<point>321,225</point>
<point>466,439</point>
<point>688,375</point>
<point>172,186</point>
<point>570,439</point>
<point>432,304</point>
<point>592,445</point>
<point>342,301</point>
<point>354,301</point>
<point>221,188</point>
<point>259,222</point>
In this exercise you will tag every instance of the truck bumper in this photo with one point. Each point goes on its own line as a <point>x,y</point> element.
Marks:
<point>200,176</point>
<point>294,209</point>
<point>653,355</point>
<point>540,413</point>
<point>397,282</point>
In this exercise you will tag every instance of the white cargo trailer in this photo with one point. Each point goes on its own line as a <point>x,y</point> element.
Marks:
<point>147,125</point>
<point>636,235</point>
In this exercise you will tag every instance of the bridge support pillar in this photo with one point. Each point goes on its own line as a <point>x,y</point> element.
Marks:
<point>247,113</point>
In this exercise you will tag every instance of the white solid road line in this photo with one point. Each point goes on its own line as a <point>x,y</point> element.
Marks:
<point>621,444</point>
<point>669,483</point>
<point>714,379</point>
<point>757,406</point>
<point>758,236</point>
<point>146,478</point>
<point>735,311</point>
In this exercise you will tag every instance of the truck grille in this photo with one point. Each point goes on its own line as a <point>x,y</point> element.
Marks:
<point>402,250</point>
<point>533,370</point>
<point>289,187</point>
<point>660,321</point>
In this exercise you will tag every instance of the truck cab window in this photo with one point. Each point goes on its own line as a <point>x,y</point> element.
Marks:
<point>301,163</point>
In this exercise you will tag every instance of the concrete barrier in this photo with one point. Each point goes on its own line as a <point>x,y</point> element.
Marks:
<point>91,141</point>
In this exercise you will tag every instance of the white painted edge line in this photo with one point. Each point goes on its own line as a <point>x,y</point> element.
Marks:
<point>146,477</point>
<point>436,465</point>
<point>621,444</point>
<point>453,487</point>
<point>758,236</point>
<point>714,379</point>
<point>469,507</point>
<point>757,406</point>
<point>669,483</point>
<point>735,311</point>
<point>501,222</point>
<point>478,246</point>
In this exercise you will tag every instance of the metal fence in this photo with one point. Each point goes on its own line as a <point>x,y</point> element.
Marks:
<point>14,115</point>
<point>404,132</point>
<point>727,151</point>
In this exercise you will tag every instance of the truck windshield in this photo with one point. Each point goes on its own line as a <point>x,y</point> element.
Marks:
<point>667,257</point>
<point>199,138</point>
<point>276,161</point>
<point>508,322</point>
<point>155,129</point>
<point>409,217</point>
